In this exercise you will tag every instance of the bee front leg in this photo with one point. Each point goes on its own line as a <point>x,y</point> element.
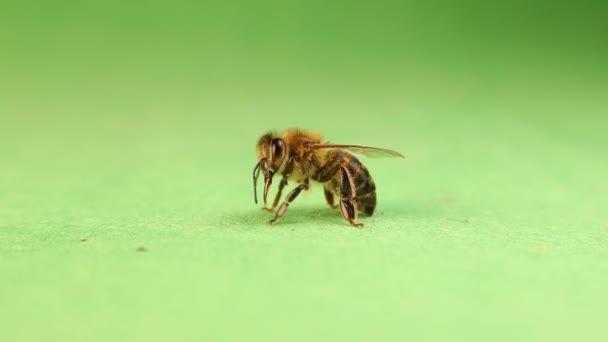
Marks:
<point>290,197</point>
<point>278,196</point>
<point>286,173</point>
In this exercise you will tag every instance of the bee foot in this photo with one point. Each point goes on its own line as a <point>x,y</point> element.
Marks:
<point>356,225</point>
<point>268,209</point>
<point>272,221</point>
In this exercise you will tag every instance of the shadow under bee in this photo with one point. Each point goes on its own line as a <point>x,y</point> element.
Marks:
<point>297,217</point>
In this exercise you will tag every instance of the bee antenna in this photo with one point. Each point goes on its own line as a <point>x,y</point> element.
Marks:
<point>256,173</point>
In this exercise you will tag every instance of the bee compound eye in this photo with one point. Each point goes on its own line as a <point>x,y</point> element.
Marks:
<point>278,148</point>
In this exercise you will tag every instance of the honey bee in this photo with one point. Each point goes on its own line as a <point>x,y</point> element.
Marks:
<point>301,156</point>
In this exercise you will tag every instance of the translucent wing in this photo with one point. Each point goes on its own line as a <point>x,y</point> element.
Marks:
<point>372,152</point>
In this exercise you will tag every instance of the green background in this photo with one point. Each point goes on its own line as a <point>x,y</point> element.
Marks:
<point>130,125</point>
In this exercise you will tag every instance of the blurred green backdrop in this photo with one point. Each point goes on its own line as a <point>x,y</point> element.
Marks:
<point>131,125</point>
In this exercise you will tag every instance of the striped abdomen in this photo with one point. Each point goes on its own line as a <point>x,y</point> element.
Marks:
<point>345,176</point>
<point>363,184</point>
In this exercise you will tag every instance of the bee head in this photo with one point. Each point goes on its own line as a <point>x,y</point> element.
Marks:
<point>271,153</point>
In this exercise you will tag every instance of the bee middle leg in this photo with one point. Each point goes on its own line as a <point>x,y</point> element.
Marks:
<point>290,198</point>
<point>329,197</point>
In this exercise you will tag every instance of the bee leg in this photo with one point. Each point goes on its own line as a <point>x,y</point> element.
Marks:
<point>278,196</point>
<point>329,197</point>
<point>290,197</point>
<point>348,206</point>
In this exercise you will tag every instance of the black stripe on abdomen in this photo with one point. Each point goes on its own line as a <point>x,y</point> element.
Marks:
<point>364,184</point>
<point>365,188</point>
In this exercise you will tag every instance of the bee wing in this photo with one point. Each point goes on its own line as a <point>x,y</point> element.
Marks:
<point>372,152</point>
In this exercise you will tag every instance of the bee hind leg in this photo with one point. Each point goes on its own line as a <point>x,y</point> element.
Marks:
<point>290,198</point>
<point>348,206</point>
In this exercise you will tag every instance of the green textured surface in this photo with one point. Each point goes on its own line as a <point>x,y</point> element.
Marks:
<point>135,127</point>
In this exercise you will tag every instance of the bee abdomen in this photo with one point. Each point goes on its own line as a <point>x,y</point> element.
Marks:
<point>367,203</point>
<point>365,188</point>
